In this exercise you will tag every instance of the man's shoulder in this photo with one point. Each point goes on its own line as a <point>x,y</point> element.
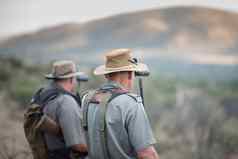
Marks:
<point>122,97</point>
<point>136,97</point>
<point>128,97</point>
<point>66,100</point>
<point>67,97</point>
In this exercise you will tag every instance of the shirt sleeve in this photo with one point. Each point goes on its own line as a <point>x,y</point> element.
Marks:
<point>69,117</point>
<point>138,125</point>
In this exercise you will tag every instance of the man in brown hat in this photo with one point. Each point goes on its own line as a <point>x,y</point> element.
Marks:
<point>115,121</point>
<point>64,109</point>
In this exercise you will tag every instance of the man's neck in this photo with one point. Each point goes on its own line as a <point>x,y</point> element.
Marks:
<point>121,84</point>
<point>63,86</point>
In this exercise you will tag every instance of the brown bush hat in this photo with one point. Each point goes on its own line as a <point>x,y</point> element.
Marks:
<point>119,60</point>
<point>63,69</point>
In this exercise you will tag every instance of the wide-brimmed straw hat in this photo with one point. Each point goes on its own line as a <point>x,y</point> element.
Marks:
<point>63,69</point>
<point>120,60</point>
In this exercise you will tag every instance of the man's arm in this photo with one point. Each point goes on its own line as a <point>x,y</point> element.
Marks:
<point>139,130</point>
<point>148,153</point>
<point>80,150</point>
<point>70,122</point>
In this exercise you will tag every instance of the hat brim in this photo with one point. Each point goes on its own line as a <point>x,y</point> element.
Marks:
<point>139,67</point>
<point>51,76</point>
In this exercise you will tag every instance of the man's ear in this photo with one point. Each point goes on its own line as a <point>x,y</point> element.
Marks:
<point>71,80</point>
<point>129,75</point>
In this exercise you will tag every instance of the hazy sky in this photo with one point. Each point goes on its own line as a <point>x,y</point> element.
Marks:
<point>19,16</point>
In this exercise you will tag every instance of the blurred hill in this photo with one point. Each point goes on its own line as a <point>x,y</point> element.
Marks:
<point>180,41</point>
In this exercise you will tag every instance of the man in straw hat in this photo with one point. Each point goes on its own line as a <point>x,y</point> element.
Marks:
<point>115,121</point>
<point>65,110</point>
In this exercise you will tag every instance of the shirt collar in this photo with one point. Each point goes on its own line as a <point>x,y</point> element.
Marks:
<point>111,84</point>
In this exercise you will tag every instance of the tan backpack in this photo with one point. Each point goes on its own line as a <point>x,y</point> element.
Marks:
<point>34,118</point>
<point>101,97</point>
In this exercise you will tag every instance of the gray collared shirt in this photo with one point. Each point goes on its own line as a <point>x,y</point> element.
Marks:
<point>128,127</point>
<point>67,113</point>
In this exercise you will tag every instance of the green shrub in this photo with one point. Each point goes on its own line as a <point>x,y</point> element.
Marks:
<point>22,89</point>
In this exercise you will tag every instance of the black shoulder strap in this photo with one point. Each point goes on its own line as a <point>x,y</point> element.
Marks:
<point>42,97</point>
<point>116,92</point>
<point>36,96</point>
<point>76,96</point>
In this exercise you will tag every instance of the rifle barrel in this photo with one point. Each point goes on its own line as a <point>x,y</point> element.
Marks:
<point>141,90</point>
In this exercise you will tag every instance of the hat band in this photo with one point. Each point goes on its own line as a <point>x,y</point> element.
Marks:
<point>121,68</point>
<point>66,73</point>
<point>116,64</point>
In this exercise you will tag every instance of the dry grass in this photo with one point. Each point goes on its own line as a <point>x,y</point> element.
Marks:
<point>12,140</point>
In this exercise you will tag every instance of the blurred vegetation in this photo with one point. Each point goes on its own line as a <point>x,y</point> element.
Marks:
<point>20,80</point>
<point>190,118</point>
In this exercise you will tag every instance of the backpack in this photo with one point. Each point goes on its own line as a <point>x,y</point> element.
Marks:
<point>35,119</point>
<point>102,97</point>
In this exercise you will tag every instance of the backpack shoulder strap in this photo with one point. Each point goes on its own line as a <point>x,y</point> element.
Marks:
<point>42,97</point>
<point>105,97</point>
<point>36,96</point>
<point>136,97</point>
<point>105,100</point>
<point>48,96</point>
<point>90,97</point>
<point>76,96</point>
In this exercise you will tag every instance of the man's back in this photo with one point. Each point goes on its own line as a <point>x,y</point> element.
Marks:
<point>127,127</point>
<point>65,111</point>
